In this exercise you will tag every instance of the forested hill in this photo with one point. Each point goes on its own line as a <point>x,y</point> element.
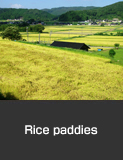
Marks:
<point>108,12</point>
<point>61,10</point>
<point>10,13</point>
<point>74,13</point>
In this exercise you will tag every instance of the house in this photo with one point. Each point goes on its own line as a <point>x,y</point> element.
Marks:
<point>82,23</point>
<point>88,20</point>
<point>89,24</point>
<point>94,23</point>
<point>115,20</point>
<point>114,24</point>
<point>81,46</point>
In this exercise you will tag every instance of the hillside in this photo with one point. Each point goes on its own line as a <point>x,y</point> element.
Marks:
<point>45,73</point>
<point>108,12</point>
<point>61,10</point>
<point>65,13</point>
<point>10,13</point>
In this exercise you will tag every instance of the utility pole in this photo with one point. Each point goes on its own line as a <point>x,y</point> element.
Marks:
<point>50,35</point>
<point>27,32</point>
<point>39,37</point>
<point>69,34</point>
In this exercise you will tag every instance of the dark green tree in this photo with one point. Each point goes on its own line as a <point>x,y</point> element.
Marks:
<point>39,28</point>
<point>11,33</point>
<point>112,53</point>
<point>36,28</point>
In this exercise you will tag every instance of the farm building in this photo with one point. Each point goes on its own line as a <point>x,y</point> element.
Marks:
<point>73,45</point>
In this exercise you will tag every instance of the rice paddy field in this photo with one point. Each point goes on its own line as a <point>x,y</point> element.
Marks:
<point>105,41</point>
<point>82,34</point>
<point>117,29</point>
<point>80,28</point>
<point>38,72</point>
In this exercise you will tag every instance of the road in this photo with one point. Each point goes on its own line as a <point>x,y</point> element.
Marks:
<point>102,47</point>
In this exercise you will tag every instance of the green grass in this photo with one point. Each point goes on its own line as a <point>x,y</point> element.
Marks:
<point>118,58</point>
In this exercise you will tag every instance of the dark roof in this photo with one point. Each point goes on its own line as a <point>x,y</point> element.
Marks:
<point>70,45</point>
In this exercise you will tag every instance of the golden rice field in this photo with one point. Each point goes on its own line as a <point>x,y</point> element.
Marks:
<point>77,28</point>
<point>93,40</point>
<point>97,40</point>
<point>33,72</point>
<point>46,37</point>
<point>77,34</point>
<point>66,31</point>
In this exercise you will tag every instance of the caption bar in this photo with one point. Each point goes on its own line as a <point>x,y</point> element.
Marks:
<point>72,130</point>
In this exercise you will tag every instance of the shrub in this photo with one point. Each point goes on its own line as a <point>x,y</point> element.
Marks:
<point>98,33</point>
<point>105,34</point>
<point>116,45</point>
<point>112,53</point>
<point>119,34</point>
<point>102,24</point>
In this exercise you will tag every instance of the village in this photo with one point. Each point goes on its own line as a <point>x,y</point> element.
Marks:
<point>99,22</point>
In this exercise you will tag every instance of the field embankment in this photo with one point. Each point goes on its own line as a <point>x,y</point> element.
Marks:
<point>32,72</point>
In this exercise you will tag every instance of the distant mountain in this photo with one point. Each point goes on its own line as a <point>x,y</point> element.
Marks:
<point>61,10</point>
<point>65,13</point>
<point>11,13</point>
<point>108,12</point>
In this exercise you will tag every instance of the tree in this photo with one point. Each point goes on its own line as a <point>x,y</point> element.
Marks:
<point>116,45</point>
<point>112,53</point>
<point>11,33</point>
<point>31,20</point>
<point>36,28</point>
<point>39,28</point>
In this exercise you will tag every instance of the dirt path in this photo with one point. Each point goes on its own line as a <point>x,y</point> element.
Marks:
<point>102,47</point>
